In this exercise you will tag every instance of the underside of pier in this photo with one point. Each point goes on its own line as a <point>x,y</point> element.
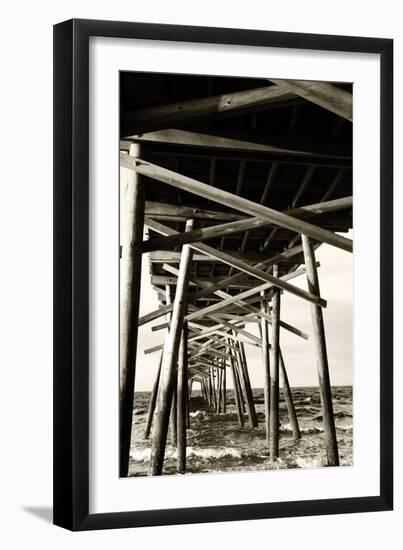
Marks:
<point>229,185</point>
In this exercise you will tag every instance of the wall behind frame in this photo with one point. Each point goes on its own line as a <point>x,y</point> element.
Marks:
<point>25,278</point>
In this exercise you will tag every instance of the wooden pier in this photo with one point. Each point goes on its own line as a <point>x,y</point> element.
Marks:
<point>237,182</point>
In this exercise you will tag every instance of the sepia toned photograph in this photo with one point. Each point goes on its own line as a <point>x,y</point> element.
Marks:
<point>236,274</point>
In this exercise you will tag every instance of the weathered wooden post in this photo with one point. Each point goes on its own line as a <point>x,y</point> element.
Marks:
<point>321,353</point>
<point>182,400</point>
<point>236,389</point>
<point>153,400</point>
<point>131,237</point>
<point>274,373</point>
<point>172,422</point>
<point>173,419</point>
<point>169,362</point>
<point>213,391</point>
<point>187,402</point>
<point>292,415</point>
<point>219,389</point>
<point>245,382</point>
<point>224,388</point>
<point>238,383</point>
<point>266,365</point>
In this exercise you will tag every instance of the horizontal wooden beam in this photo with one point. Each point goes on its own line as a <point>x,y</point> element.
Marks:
<point>223,283</point>
<point>271,144</point>
<point>234,201</point>
<point>246,302</point>
<point>171,257</point>
<point>153,118</point>
<point>175,212</point>
<point>324,94</point>
<point>239,226</point>
<point>212,352</point>
<point>235,328</point>
<point>203,234</point>
<point>199,281</point>
<point>228,301</point>
<point>241,266</point>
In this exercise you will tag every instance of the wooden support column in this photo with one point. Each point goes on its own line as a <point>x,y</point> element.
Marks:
<point>182,401</point>
<point>169,362</point>
<point>224,389</point>
<point>218,390</point>
<point>292,415</point>
<point>173,418</point>
<point>266,366</point>
<point>172,422</point>
<point>153,400</point>
<point>236,388</point>
<point>131,236</point>
<point>245,383</point>
<point>238,379</point>
<point>274,373</point>
<point>322,360</point>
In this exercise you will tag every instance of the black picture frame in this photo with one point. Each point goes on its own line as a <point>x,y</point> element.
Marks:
<point>71,274</point>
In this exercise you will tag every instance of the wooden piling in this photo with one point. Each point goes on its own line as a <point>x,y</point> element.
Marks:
<point>292,415</point>
<point>173,422</point>
<point>181,401</point>
<point>187,400</point>
<point>224,389</point>
<point>246,386</point>
<point>236,388</point>
<point>131,237</point>
<point>274,373</point>
<point>219,389</point>
<point>169,362</point>
<point>238,383</point>
<point>321,354</point>
<point>153,400</point>
<point>266,366</point>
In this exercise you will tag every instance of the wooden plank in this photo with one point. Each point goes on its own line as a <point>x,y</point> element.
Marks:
<point>153,118</point>
<point>241,266</point>
<point>239,203</point>
<point>326,95</point>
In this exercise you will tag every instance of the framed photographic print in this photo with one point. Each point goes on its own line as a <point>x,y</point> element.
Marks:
<point>223,274</point>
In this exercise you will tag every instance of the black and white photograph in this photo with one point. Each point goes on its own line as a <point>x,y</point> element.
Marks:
<point>236,274</point>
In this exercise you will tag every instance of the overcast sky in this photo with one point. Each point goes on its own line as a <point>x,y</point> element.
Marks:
<point>336,282</point>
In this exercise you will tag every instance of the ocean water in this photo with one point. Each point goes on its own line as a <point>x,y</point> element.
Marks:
<point>216,442</point>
